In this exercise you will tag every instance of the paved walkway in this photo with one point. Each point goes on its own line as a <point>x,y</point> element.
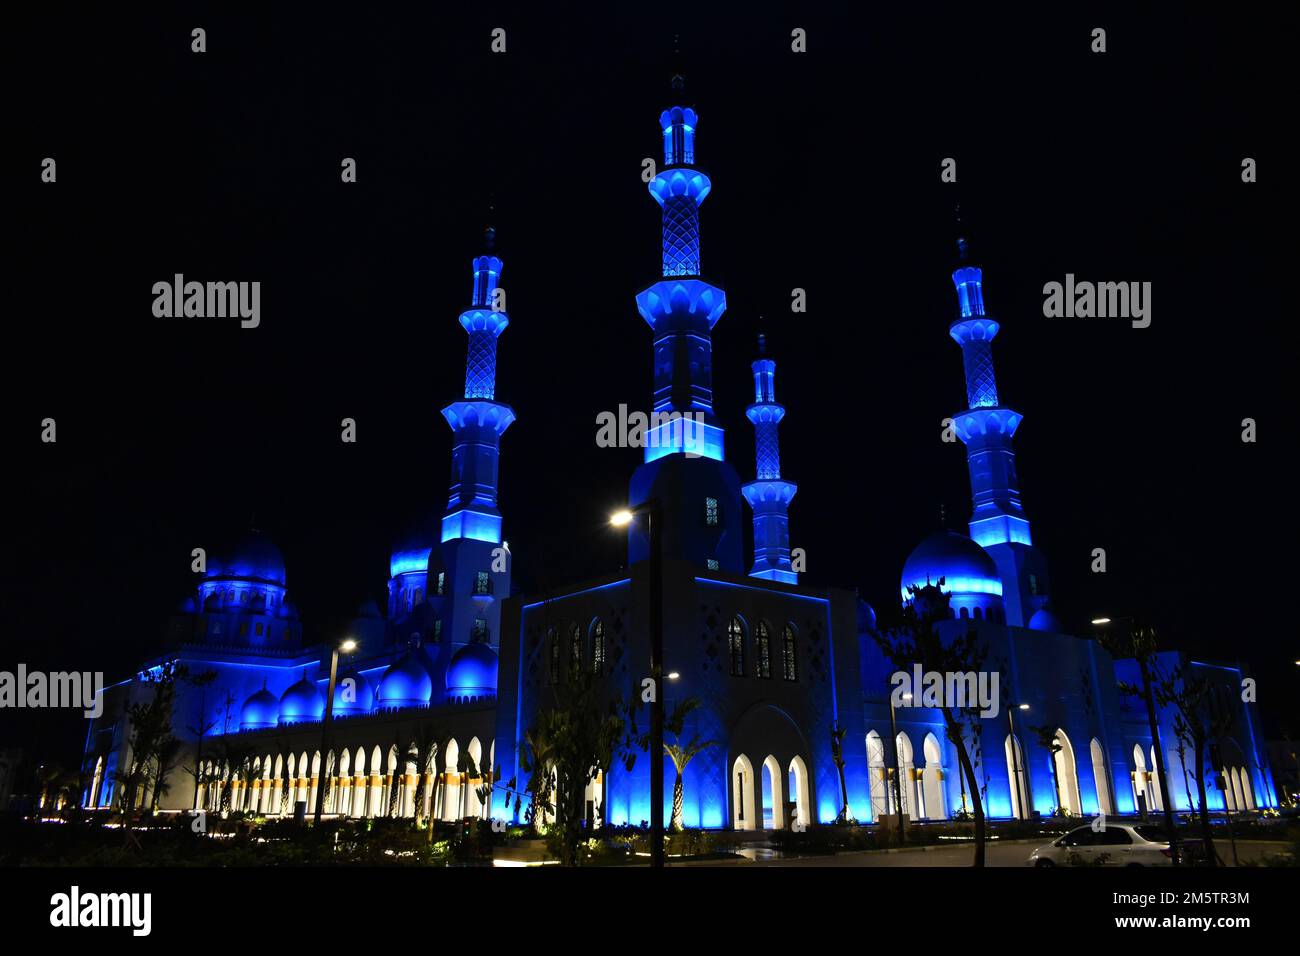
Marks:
<point>997,853</point>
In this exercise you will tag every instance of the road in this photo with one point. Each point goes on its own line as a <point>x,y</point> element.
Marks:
<point>1012,853</point>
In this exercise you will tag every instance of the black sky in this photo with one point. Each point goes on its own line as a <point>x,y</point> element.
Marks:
<point>225,166</point>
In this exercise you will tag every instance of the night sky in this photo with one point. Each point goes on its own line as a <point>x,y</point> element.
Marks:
<point>174,434</point>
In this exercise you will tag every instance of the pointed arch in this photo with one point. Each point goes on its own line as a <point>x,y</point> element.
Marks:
<point>742,794</point>
<point>1067,775</point>
<point>878,774</point>
<point>913,799</point>
<point>736,645</point>
<point>932,776</point>
<point>1100,779</point>
<point>799,796</point>
<point>474,768</point>
<point>1017,778</point>
<point>773,795</point>
<point>451,789</point>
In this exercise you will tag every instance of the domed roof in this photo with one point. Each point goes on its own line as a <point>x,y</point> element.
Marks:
<point>187,606</point>
<point>361,693</point>
<point>473,671</point>
<point>411,550</point>
<point>262,709</point>
<point>301,702</point>
<point>965,567</point>
<point>253,557</point>
<point>1045,620</point>
<point>406,683</point>
<point>866,616</point>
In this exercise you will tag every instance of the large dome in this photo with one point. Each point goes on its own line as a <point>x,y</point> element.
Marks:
<point>965,567</point>
<point>1045,620</point>
<point>259,711</point>
<point>254,557</point>
<point>301,702</point>
<point>473,672</point>
<point>405,684</point>
<point>361,693</point>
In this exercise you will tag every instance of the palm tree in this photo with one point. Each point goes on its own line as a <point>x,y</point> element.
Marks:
<point>537,759</point>
<point>682,754</point>
<point>424,745</point>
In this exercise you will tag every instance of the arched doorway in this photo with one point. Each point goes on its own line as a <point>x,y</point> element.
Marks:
<point>798,789</point>
<point>878,774</point>
<point>913,804</point>
<point>742,794</point>
<point>474,767</point>
<point>1141,794</point>
<point>451,782</point>
<point>1017,778</point>
<point>1157,796</point>
<point>1100,781</point>
<point>1067,776</point>
<point>932,779</point>
<point>773,795</point>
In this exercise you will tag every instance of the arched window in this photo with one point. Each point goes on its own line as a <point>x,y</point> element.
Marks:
<point>763,644</point>
<point>575,650</point>
<point>554,651</point>
<point>789,666</point>
<point>736,646</point>
<point>598,646</point>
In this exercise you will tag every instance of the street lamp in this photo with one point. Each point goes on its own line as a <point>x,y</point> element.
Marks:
<point>1021,791</point>
<point>346,646</point>
<point>653,519</point>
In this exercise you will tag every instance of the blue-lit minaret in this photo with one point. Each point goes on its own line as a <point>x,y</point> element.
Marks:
<point>768,494</point>
<point>468,570</point>
<point>998,522</point>
<point>684,463</point>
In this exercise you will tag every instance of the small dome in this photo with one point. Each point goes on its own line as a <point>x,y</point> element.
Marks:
<point>866,617</point>
<point>406,683</point>
<point>288,610</point>
<point>260,710</point>
<point>187,606</point>
<point>1045,620</point>
<point>473,672</point>
<point>357,697</point>
<point>254,557</point>
<point>965,567</point>
<point>301,702</point>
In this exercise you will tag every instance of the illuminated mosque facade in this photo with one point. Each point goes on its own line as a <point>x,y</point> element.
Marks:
<point>459,660</point>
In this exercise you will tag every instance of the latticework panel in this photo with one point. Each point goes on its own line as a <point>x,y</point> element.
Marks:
<point>481,365</point>
<point>981,386</point>
<point>681,236</point>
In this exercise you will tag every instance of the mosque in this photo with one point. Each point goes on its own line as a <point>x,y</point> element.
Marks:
<point>458,659</point>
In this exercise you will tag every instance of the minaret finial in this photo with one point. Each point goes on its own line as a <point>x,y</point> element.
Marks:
<point>678,81</point>
<point>963,248</point>
<point>762,342</point>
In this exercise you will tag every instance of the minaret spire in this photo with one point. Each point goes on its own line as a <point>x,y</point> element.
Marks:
<point>998,522</point>
<point>768,495</point>
<point>479,421</point>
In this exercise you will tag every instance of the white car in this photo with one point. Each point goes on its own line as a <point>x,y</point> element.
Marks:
<point>1110,844</point>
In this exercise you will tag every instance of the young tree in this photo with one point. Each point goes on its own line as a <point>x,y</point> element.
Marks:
<point>1141,644</point>
<point>837,757</point>
<point>1048,740</point>
<point>1199,721</point>
<point>576,740</point>
<point>917,641</point>
<point>682,754</point>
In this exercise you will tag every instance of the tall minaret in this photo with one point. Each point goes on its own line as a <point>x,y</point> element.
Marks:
<point>769,495</point>
<point>685,467</point>
<point>467,568</point>
<point>998,521</point>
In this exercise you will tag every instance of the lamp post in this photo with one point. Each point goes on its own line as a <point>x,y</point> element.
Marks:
<point>898,768</point>
<point>347,646</point>
<point>653,519</point>
<point>1019,791</point>
<point>1162,779</point>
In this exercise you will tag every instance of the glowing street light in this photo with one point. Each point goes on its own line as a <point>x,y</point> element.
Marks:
<point>653,515</point>
<point>346,646</point>
<point>1099,621</point>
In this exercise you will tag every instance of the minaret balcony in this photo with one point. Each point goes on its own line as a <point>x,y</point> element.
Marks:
<point>680,181</point>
